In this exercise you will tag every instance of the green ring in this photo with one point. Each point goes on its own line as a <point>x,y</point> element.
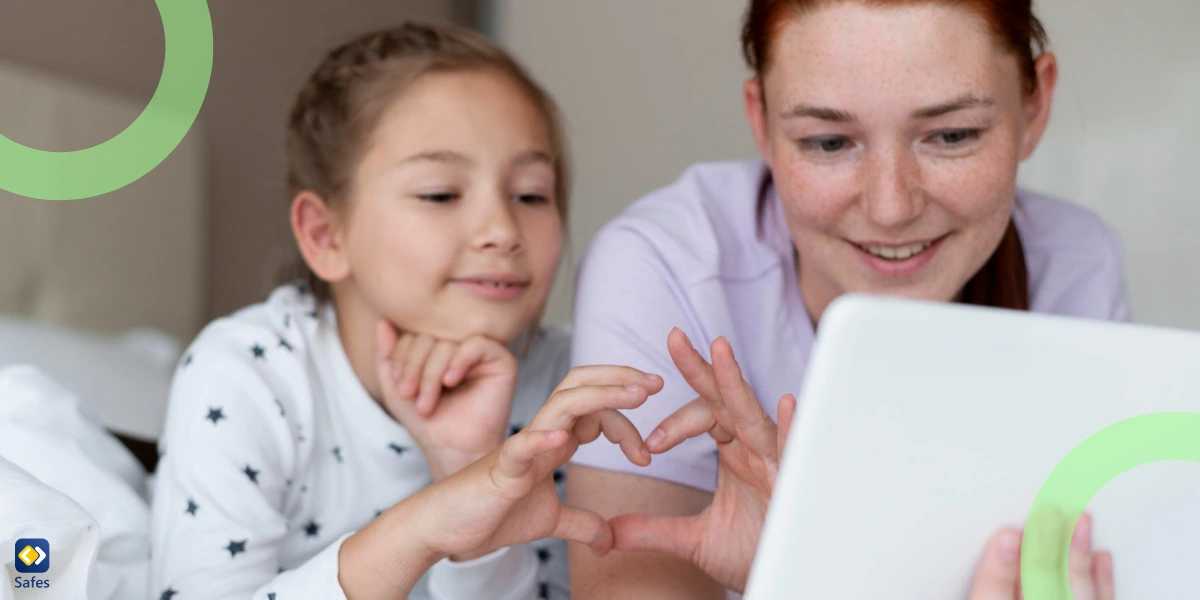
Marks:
<point>131,154</point>
<point>1080,476</point>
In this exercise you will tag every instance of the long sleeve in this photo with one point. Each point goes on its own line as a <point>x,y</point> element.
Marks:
<point>229,457</point>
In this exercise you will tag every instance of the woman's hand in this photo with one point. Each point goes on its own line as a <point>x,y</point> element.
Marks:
<point>508,497</point>
<point>722,539</point>
<point>470,384</point>
<point>998,570</point>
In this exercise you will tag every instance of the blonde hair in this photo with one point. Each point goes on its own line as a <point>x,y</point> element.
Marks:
<point>334,115</point>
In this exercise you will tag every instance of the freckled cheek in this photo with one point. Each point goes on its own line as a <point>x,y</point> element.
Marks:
<point>974,188</point>
<point>816,197</point>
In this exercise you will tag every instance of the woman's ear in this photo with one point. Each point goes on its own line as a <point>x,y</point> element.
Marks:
<point>315,226</point>
<point>1037,104</point>
<point>756,113</point>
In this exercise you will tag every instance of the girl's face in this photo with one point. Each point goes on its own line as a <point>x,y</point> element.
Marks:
<point>452,228</point>
<point>893,136</point>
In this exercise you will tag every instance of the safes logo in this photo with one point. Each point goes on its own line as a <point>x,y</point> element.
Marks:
<point>33,555</point>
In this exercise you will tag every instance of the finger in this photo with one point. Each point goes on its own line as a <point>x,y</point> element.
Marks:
<point>431,380</point>
<point>519,451</point>
<point>1079,559</point>
<point>674,536</point>
<point>1102,565</point>
<point>585,527</point>
<point>474,351</point>
<point>786,412</point>
<point>399,354</point>
<point>618,429</point>
<point>385,342</point>
<point>698,373</point>
<point>565,407</point>
<point>610,375</point>
<point>414,365</point>
<point>1043,548</point>
<point>998,567</point>
<point>693,419</point>
<point>753,426</point>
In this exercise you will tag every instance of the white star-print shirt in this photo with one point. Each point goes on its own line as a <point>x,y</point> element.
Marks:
<point>274,453</point>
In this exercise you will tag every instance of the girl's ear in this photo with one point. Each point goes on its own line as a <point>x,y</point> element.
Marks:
<point>315,226</point>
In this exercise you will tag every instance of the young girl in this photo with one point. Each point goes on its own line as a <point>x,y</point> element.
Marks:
<point>429,191</point>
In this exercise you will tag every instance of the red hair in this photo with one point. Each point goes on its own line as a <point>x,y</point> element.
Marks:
<point>1011,21</point>
<point>1003,281</point>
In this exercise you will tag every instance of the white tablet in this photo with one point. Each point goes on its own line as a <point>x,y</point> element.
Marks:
<point>924,427</point>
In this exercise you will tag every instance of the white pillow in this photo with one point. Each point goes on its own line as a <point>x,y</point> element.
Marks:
<point>126,379</point>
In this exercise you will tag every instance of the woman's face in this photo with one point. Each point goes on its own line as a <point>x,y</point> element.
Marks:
<point>893,136</point>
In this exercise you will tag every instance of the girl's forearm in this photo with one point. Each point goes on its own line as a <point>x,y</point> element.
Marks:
<point>385,559</point>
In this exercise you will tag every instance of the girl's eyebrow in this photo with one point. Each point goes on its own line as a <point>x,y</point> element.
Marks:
<point>440,156</point>
<point>532,157</point>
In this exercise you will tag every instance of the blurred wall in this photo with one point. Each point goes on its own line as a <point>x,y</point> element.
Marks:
<point>650,87</point>
<point>264,49</point>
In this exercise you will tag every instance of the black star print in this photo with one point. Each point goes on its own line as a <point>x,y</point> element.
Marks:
<point>312,313</point>
<point>337,453</point>
<point>187,361</point>
<point>271,596</point>
<point>191,509</point>
<point>397,448</point>
<point>287,321</point>
<point>168,594</point>
<point>302,289</point>
<point>312,529</point>
<point>251,473</point>
<point>514,430</point>
<point>235,547</point>
<point>285,345</point>
<point>280,405</point>
<point>215,414</point>
<point>558,476</point>
<point>259,351</point>
<point>377,513</point>
<point>543,555</point>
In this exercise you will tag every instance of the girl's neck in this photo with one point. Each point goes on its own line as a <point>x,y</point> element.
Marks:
<point>356,329</point>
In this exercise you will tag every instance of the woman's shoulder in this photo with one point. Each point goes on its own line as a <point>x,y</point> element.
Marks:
<point>706,223</point>
<point>1074,259</point>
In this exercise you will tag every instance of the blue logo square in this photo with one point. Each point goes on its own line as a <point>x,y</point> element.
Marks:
<point>32,555</point>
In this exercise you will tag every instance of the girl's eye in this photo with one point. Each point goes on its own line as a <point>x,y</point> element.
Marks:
<point>440,198</point>
<point>956,137</point>
<point>825,145</point>
<point>532,199</point>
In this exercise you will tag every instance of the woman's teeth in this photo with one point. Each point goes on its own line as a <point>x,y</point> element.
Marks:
<point>897,252</point>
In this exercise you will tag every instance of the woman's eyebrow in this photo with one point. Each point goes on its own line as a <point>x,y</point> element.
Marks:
<point>840,116</point>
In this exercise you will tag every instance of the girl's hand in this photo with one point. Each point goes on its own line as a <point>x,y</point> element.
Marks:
<point>998,570</point>
<point>471,385</point>
<point>722,539</point>
<point>508,497</point>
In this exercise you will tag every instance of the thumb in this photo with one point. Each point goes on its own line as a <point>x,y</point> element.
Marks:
<point>998,567</point>
<point>674,536</point>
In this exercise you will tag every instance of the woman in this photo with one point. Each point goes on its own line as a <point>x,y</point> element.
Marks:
<point>890,134</point>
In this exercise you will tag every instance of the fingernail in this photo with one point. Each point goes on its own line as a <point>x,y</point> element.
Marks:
<point>652,378</point>
<point>635,389</point>
<point>656,438</point>
<point>1082,538</point>
<point>1010,547</point>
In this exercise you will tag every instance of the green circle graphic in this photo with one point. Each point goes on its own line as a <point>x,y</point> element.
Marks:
<point>1080,476</point>
<point>131,154</point>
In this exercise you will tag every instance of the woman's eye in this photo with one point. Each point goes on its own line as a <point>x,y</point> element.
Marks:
<point>532,199</point>
<point>956,137</point>
<point>825,145</point>
<point>440,198</point>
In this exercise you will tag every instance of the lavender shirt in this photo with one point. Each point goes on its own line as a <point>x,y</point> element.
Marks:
<point>698,256</point>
